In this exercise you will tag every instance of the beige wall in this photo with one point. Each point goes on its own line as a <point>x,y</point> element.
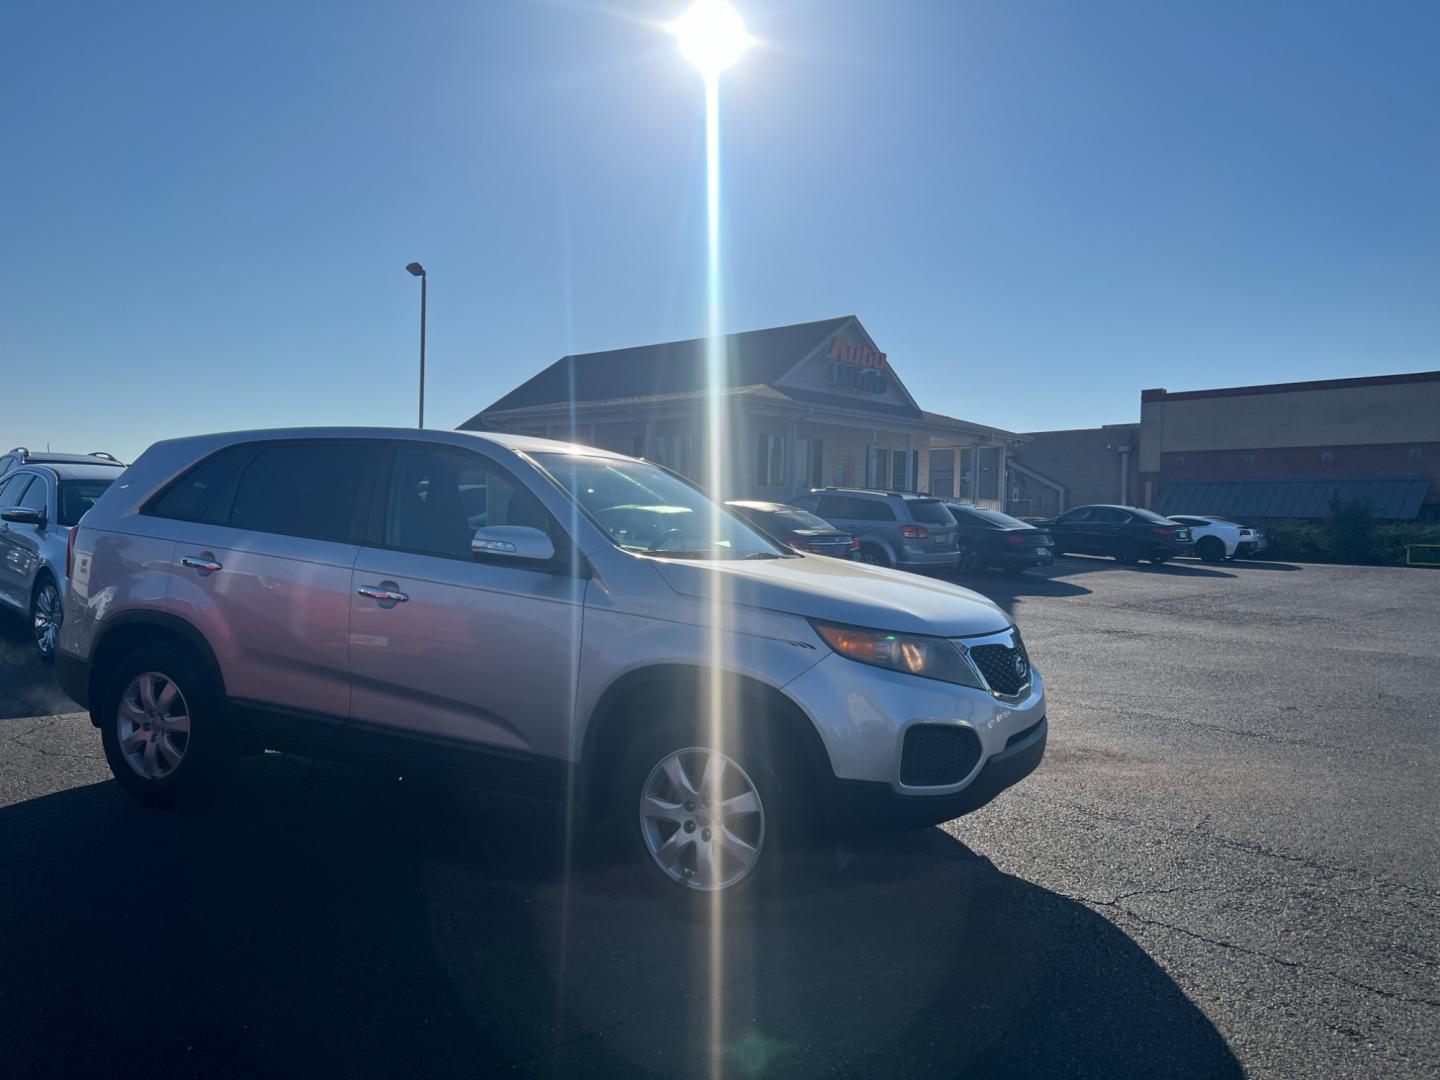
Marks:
<point>1341,416</point>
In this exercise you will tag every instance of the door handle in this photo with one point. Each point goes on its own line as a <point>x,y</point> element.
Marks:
<point>375,592</point>
<point>208,566</point>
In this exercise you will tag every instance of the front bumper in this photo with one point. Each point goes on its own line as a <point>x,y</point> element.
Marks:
<point>861,807</point>
<point>864,715</point>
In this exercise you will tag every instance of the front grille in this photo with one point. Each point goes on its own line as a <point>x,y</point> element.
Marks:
<point>934,755</point>
<point>997,663</point>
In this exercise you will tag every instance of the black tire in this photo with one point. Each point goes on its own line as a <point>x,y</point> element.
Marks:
<point>875,555</point>
<point>969,560</point>
<point>207,756</point>
<point>1211,549</point>
<point>45,601</point>
<point>764,762</point>
<point>1128,553</point>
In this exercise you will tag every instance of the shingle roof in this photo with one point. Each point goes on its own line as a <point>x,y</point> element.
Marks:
<point>756,357</point>
<point>1396,498</point>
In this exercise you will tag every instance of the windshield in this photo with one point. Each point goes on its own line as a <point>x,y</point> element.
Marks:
<point>646,509</point>
<point>77,496</point>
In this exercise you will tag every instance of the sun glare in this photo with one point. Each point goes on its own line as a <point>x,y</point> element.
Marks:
<point>712,35</point>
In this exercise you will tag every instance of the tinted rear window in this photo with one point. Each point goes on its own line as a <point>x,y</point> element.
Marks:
<point>854,508</point>
<point>929,512</point>
<point>206,491</point>
<point>77,496</point>
<point>987,517</point>
<point>1149,517</point>
<point>312,490</point>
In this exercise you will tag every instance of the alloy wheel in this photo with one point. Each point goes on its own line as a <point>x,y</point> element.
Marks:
<point>702,819</point>
<point>153,725</point>
<point>969,560</point>
<point>48,612</point>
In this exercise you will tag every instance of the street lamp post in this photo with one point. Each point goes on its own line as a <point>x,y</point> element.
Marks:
<point>419,271</point>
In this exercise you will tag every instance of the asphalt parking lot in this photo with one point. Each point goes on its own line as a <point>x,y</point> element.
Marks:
<point>1228,864</point>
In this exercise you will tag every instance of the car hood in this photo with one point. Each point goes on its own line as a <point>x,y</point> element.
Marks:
<point>836,590</point>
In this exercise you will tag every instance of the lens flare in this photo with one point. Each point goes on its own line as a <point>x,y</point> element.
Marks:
<point>711,36</point>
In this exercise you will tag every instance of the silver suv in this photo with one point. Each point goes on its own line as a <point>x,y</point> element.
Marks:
<point>549,618</point>
<point>40,505</point>
<point>911,532</point>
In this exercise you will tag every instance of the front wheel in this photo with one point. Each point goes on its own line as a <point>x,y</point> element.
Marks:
<point>698,815</point>
<point>1127,554</point>
<point>47,612</point>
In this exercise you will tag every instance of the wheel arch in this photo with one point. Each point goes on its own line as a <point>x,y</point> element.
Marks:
<point>610,721</point>
<point>134,630</point>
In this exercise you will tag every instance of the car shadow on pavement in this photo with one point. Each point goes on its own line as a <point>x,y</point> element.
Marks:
<point>1011,590</point>
<point>27,684</point>
<point>313,922</point>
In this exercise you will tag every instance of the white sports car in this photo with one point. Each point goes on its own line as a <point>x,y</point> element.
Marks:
<point>1217,539</point>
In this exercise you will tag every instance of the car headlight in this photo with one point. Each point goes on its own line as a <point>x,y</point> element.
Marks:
<point>913,654</point>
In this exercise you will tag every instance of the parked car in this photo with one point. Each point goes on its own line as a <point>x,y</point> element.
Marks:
<point>798,528</point>
<point>18,456</point>
<point>909,532</point>
<point>1127,533</point>
<point>40,505</point>
<point>333,592</point>
<point>988,538</point>
<point>1217,539</point>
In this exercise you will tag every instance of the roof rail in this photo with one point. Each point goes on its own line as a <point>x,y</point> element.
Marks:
<point>23,451</point>
<point>104,456</point>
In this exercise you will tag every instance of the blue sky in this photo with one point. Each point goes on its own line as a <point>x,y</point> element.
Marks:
<point>1036,208</point>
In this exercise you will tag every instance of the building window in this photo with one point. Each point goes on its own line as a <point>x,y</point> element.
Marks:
<point>810,453</point>
<point>1179,461</point>
<point>1327,457</point>
<point>897,471</point>
<point>1249,459</point>
<point>965,473</point>
<point>676,452</point>
<point>771,462</point>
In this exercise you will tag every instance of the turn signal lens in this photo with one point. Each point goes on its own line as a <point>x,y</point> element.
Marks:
<point>913,654</point>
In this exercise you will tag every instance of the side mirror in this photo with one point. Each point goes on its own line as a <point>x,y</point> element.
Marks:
<point>23,515</point>
<point>512,542</point>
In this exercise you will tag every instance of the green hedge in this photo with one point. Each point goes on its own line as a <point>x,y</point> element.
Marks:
<point>1347,540</point>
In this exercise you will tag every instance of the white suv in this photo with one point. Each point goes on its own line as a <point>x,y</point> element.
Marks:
<point>545,617</point>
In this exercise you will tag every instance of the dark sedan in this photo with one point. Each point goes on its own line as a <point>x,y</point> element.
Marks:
<point>988,538</point>
<point>798,529</point>
<point>1126,533</point>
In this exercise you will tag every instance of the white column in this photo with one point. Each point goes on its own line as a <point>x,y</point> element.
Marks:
<point>794,470</point>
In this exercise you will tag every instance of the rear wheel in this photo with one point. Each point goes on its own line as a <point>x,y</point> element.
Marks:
<point>1211,549</point>
<point>969,560</point>
<point>161,728</point>
<point>875,555</point>
<point>47,612</point>
<point>1128,553</point>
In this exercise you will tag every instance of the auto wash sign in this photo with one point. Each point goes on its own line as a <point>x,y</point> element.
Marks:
<point>857,367</point>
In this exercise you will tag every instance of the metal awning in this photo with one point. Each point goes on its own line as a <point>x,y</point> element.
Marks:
<point>1394,498</point>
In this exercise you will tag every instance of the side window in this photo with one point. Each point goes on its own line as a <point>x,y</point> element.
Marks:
<point>12,489</point>
<point>6,464</point>
<point>305,489</point>
<point>806,502</point>
<point>438,498</point>
<point>35,496</point>
<point>1074,517</point>
<point>1106,516</point>
<point>831,507</point>
<point>874,510</point>
<point>206,492</point>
